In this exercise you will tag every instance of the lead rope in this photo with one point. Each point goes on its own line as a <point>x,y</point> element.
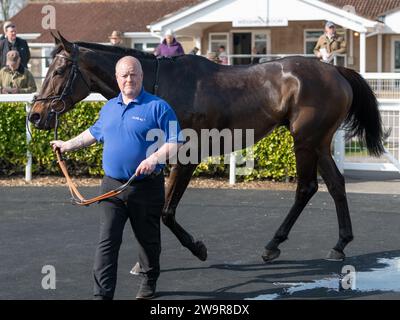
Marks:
<point>77,197</point>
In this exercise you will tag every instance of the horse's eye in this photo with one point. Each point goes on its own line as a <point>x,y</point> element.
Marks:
<point>59,71</point>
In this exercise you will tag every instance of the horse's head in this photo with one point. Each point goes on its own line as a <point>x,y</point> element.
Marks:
<point>65,84</point>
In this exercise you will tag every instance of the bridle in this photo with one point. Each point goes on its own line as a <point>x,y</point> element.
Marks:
<point>66,92</point>
<point>77,197</point>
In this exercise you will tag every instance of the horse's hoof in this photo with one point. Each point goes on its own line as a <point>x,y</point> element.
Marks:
<point>200,250</point>
<point>136,270</point>
<point>335,255</point>
<point>270,255</point>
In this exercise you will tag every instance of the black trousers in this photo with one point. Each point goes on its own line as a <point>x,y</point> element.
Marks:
<point>142,204</point>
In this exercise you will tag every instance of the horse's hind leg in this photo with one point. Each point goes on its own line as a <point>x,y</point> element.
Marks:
<point>307,186</point>
<point>178,182</point>
<point>336,187</point>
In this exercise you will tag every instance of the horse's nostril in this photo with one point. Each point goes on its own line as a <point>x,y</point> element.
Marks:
<point>34,118</point>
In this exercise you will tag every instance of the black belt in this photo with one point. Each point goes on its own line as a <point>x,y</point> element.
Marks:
<point>146,178</point>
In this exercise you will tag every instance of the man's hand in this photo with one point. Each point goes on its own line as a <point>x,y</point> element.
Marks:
<point>59,144</point>
<point>83,140</point>
<point>147,166</point>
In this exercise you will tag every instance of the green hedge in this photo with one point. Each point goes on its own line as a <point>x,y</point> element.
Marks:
<point>274,157</point>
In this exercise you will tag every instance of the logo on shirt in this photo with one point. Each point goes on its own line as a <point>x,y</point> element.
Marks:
<point>138,118</point>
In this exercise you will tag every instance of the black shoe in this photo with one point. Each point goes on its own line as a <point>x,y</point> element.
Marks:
<point>147,290</point>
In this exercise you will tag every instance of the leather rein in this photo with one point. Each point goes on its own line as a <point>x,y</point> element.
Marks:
<point>77,197</point>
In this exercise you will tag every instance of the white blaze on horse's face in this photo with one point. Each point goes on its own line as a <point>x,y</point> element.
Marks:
<point>129,77</point>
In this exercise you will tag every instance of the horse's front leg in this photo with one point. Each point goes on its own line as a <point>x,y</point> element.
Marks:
<point>178,181</point>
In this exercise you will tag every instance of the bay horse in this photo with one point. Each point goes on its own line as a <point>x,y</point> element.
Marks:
<point>311,98</point>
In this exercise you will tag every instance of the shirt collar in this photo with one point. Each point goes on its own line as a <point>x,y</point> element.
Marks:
<point>137,100</point>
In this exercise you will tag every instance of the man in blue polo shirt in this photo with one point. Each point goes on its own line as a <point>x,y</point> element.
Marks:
<point>122,127</point>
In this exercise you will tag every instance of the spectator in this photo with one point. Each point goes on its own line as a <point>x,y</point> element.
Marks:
<point>116,38</point>
<point>169,47</point>
<point>14,77</point>
<point>212,56</point>
<point>255,51</point>
<point>194,51</point>
<point>12,42</point>
<point>329,44</point>
<point>222,55</point>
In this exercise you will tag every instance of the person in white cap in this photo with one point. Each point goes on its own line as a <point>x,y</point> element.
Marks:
<point>329,43</point>
<point>116,38</point>
<point>169,47</point>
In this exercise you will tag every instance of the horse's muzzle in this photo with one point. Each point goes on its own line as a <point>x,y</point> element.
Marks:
<point>42,123</point>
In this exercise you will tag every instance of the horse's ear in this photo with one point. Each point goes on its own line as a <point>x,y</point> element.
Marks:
<point>65,43</point>
<point>56,39</point>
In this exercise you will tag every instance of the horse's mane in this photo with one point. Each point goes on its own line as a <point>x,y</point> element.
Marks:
<point>115,50</point>
<point>107,49</point>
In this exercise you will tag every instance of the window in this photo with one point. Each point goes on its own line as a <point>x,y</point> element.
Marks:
<point>396,54</point>
<point>260,43</point>
<point>310,40</point>
<point>145,46</point>
<point>138,46</point>
<point>217,40</point>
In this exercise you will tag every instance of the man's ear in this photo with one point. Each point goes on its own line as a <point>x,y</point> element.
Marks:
<point>65,43</point>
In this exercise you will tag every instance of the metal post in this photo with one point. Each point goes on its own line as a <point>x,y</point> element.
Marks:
<point>232,168</point>
<point>363,52</point>
<point>339,150</point>
<point>28,166</point>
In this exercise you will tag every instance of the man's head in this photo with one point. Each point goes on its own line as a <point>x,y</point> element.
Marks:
<point>10,31</point>
<point>330,28</point>
<point>169,36</point>
<point>13,59</point>
<point>116,38</point>
<point>221,48</point>
<point>129,74</point>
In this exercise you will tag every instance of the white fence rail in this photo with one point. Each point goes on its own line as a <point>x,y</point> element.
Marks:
<point>93,97</point>
<point>348,155</point>
<point>27,99</point>
<point>385,85</point>
<point>351,155</point>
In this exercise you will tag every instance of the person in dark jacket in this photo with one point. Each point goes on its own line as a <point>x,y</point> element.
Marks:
<point>169,47</point>
<point>12,42</point>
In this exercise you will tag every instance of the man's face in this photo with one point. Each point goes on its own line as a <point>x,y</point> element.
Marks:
<point>11,33</point>
<point>330,30</point>
<point>115,41</point>
<point>130,78</point>
<point>14,65</point>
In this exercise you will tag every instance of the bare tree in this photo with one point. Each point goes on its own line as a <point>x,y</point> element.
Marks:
<point>10,7</point>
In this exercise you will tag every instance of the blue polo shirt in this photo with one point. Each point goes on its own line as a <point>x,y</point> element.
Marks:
<point>123,130</point>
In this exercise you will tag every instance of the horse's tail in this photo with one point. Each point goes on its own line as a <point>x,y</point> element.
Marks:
<point>363,119</point>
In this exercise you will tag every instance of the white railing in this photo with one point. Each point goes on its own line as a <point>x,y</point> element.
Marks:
<point>385,85</point>
<point>347,155</point>
<point>27,99</point>
<point>338,59</point>
<point>93,97</point>
<point>351,156</point>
